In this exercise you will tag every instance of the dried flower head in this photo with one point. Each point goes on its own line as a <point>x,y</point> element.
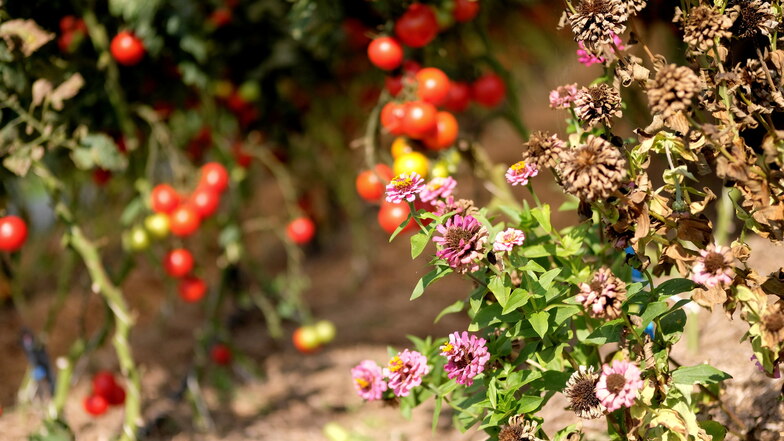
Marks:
<point>562,96</point>
<point>463,207</point>
<point>543,149</point>
<point>520,172</point>
<point>405,371</point>
<point>772,325</point>
<point>369,380</point>
<point>702,25</point>
<point>593,170</point>
<point>466,356</point>
<point>462,242</point>
<point>405,187</point>
<point>618,385</point>
<point>438,187</point>
<point>507,239</point>
<point>604,296</point>
<point>714,267</point>
<point>634,6</point>
<point>753,18</point>
<point>595,21</point>
<point>581,391</point>
<point>672,89</point>
<point>597,104</point>
<point>519,429</point>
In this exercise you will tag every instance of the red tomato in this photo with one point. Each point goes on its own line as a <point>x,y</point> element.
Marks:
<point>393,84</point>
<point>164,199</point>
<point>127,49</point>
<point>301,230</point>
<point>371,184</point>
<point>242,157</point>
<point>220,354</point>
<point>488,90</point>
<point>178,262</point>
<point>101,176</point>
<point>103,384</point>
<point>95,405</point>
<point>392,116</point>
<point>192,289</point>
<point>390,216</point>
<point>214,176</point>
<point>411,67</point>
<point>417,26</point>
<point>445,133</point>
<point>420,119</point>
<point>385,53</point>
<point>205,201</point>
<point>465,10</point>
<point>184,221</point>
<point>459,96</point>
<point>305,339</point>
<point>116,396</point>
<point>220,17</point>
<point>432,85</point>
<point>67,23</point>
<point>13,233</point>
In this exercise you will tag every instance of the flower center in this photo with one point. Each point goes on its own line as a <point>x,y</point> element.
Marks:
<point>714,262</point>
<point>455,236</point>
<point>585,157</point>
<point>518,167</point>
<point>594,7</point>
<point>403,184</point>
<point>448,348</point>
<point>748,21</point>
<point>615,383</point>
<point>395,364</point>
<point>362,383</point>
<point>774,322</point>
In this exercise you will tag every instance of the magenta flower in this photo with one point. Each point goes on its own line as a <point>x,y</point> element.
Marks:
<point>462,242</point>
<point>466,356</point>
<point>563,96</point>
<point>713,267</point>
<point>405,187</point>
<point>405,371</point>
<point>505,240</point>
<point>369,380</point>
<point>587,58</point>
<point>776,369</point>
<point>519,173</point>
<point>438,187</point>
<point>618,385</point>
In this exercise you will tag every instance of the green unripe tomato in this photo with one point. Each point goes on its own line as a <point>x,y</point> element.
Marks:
<point>157,225</point>
<point>249,91</point>
<point>440,170</point>
<point>325,331</point>
<point>136,239</point>
<point>444,18</point>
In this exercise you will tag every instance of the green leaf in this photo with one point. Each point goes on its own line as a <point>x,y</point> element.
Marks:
<point>518,298</point>
<point>652,311</point>
<point>499,289</point>
<point>546,279</point>
<point>701,373</point>
<point>451,309</point>
<point>528,403</point>
<point>674,286</point>
<point>714,429</point>
<point>99,150</point>
<point>609,332</point>
<point>418,243</point>
<point>437,412</point>
<point>437,273</point>
<point>542,216</point>
<point>539,322</point>
<point>672,325</point>
<point>492,393</point>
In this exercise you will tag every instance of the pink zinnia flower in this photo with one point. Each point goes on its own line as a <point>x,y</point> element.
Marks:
<point>618,385</point>
<point>462,242</point>
<point>519,173</point>
<point>369,380</point>
<point>438,187</point>
<point>505,240</point>
<point>563,96</point>
<point>714,267</point>
<point>405,371</point>
<point>467,355</point>
<point>587,58</point>
<point>405,187</point>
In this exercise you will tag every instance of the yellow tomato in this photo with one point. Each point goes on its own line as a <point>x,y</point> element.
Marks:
<point>400,147</point>
<point>440,170</point>
<point>411,162</point>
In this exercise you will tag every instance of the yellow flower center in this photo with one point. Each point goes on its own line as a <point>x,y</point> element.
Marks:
<point>447,347</point>
<point>403,183</point>
<point>395,364</point>
<point>518,167</point>
<point>362,383</point>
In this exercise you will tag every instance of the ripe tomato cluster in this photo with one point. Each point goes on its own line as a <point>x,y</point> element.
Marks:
<point>310,338</point>
<point>106,392</point>
<point>72,32</point>
<point>13,233</point>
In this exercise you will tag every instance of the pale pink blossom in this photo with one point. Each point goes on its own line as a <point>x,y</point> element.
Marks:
<point>369,380</point>
<point>467,355</point>
<point>404,187</point>
<point>438,187</point>
<point>405,372</point>
<point>618,385</point>
<point>507,239</point>
<point>520,172</point>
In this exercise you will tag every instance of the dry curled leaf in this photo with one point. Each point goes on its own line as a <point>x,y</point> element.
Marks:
<point>709,297</point>
<point>26,33</point>
<point>67,90</point>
